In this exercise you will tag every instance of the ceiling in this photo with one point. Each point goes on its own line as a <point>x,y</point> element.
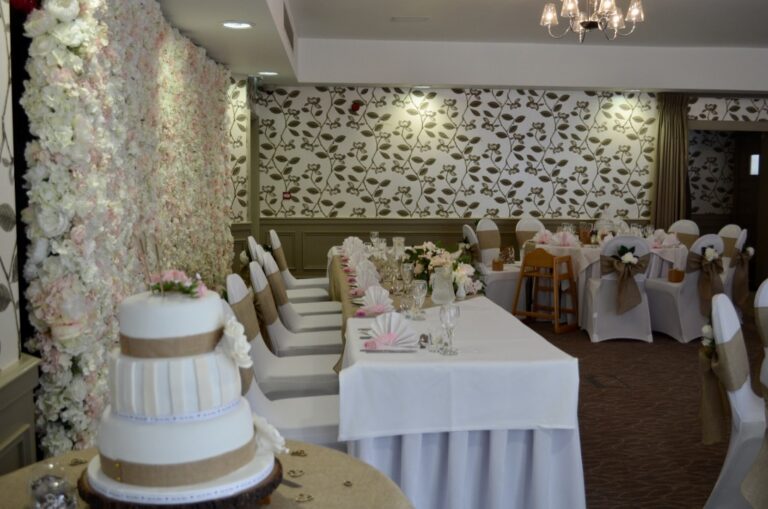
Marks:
<point>335,34</point>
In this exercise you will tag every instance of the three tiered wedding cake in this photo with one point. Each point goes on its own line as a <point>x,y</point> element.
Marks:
<point>178,430</point>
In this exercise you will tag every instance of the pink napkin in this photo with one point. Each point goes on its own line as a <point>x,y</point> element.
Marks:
<point>373,310</point>
<point>543,237</point>
<point>383,341</point>
<point>349,270</point>
<point>565,239</point>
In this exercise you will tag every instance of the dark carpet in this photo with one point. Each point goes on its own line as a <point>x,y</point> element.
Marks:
<point>638,417</point>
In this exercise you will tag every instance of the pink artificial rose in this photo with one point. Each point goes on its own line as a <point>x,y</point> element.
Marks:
<point>167,276</point>
<point>356,292</point>
<point>370,345</point>
<point>360,313</point>
<point>201,290</point>
<point>351,279</point>
<point>349,270</point>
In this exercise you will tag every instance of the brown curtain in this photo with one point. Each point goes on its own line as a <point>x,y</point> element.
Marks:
<point>671,160</point>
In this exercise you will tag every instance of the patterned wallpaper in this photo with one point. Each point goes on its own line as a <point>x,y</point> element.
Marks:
<point>239,167</point>
<point>710,171</point>
<point>9,281</point>
<point>412,153</point>
<point>747,109</point>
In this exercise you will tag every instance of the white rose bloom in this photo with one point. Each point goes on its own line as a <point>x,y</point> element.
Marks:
<point>38,22</point>
<point>629,259</point>
<point>70,34</point>
<point>751,251</point>
<point>244,257</point>
<point>268,439</point>
<point>64,10</point>
<point>706,331</point>
<point>42,46</point>
<point>51,221</point>
<point>235,345</point>
<point>710,254</point>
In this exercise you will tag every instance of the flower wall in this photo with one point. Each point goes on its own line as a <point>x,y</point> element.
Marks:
<point>129,120</point>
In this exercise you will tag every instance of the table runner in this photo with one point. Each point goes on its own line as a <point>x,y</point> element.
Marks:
<point>505,377</point>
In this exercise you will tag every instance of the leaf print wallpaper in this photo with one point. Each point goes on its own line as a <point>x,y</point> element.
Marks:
<point>710,171</point>
<point>745,109</point>
<point>239,121</point>
<point>9,275</point>
<point>454,153</point>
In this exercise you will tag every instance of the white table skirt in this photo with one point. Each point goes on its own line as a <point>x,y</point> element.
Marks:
<point>481,469</point>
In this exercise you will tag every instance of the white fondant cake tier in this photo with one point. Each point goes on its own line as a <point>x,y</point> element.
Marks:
<point>175,388</point>
<point>155,316</point>
<point>242,479</point>
<point>164,443</point>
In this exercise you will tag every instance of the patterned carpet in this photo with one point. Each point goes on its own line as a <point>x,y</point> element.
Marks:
<point>638,414</point>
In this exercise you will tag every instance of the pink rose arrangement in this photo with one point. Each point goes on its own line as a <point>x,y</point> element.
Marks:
<point>177,281</point>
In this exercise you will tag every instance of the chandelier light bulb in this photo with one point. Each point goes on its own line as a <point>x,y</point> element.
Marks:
<point>635,12</point>
<point>617,20</point>
<point>549,15</point>
<point>607,8</point>
<point>570,9</point>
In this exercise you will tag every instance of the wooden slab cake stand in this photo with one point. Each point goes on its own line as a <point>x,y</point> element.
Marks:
<point>255,496</point>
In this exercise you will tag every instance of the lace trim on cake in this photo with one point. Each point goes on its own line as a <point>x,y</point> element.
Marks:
<point>196,416</point>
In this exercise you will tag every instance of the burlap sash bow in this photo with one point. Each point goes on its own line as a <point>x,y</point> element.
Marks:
<point>727,368</point>
<point>523,237</point>
<point>278,288</point>
<point>740,263</point>
<point>628,294</point>
<point>279,256</point>
<point>488,239</point>
<point>709,279</point>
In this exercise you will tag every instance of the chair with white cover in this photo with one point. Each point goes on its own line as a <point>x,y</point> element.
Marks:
<point>730,235</point>
<point>729,271</point>
<point>675,307</point>
<point>289,314</point>
<point>283,341</point>
<point>754,487</point>
<point>686,230</point>
<point>278,377</point>
<point>747,409</point>
<point>313,419</point>
<point>470,237</point>
<point>295,295</point>
<point>488,240</point>
<point>525,230</point>
<point>610,314</point>
<point>292,282</point>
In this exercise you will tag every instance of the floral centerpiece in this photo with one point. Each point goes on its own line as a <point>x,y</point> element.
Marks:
<point>428,257</point>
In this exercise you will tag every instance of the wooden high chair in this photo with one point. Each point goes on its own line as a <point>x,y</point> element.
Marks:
<point>542,267</point>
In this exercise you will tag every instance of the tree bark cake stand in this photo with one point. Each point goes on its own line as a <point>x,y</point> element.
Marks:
<point>258,495</point>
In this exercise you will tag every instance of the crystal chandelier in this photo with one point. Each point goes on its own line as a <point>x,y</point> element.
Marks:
<point>603,15</point>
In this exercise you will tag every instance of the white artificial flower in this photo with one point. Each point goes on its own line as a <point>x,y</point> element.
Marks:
<point>39,21</point>
<point>707,334</point>
<point>51,221</point>
<point>711,254</point>
<point>268,439</point>
<point>751,251</point>
<point>244,257</point>
<point>70,34</point>
<point>64,10</point>
<point>629,259</point>
<point>235,345</point>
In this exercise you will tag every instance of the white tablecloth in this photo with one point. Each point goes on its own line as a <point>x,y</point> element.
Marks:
<point>494,427</point>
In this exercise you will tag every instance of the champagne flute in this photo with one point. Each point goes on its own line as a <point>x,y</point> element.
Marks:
<point>406,271</point>
<point>419,292</point>
<point>449,315</point>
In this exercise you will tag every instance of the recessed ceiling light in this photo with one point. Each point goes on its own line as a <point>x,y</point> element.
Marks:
<point>237,25</point>
<point>267,73</point>
<point>421,86</point>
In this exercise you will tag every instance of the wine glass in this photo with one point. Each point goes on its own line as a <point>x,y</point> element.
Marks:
<point>449,315</point>
<point>419,293</point>
<point>406,271</point>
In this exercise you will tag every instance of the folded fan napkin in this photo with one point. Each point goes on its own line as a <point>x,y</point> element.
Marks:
<point>670,240</point>
<point>392,331</point>
<point>366,279</point>
<point>565,239</point>
<point>352,245</point>
<point>365,265</point>
<point>357,258</point>
<point>656,239</point>
<point>376,301</point>
<point>543,237</point>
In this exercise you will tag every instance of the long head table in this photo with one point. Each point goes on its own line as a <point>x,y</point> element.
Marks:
<point>495,426</point>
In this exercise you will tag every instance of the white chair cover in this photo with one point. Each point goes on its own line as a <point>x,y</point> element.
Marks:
<point>292,282</point>
<point>730,230</point>
<point>287,377</point>
<point>295,295</point>
<point>603,322</point>
<point>747,418</point>
<point>286,342</point>
<point>522,230</point>
<point>684,226</point>
<point>292,319</point>
<point>761,302</point>
<point>471,237</point>
<point>255,250</point>
<point>313,419</point>
<point>674,307</point>
<point>487,251</point>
